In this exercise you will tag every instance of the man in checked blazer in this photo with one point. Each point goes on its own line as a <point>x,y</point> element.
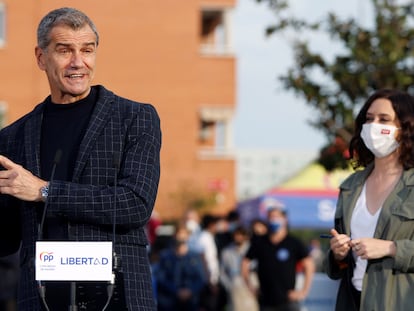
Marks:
<point>109,150</point>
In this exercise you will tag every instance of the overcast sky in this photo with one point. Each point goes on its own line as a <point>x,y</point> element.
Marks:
<point>267,116</point>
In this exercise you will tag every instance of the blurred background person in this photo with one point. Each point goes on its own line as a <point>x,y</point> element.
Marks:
<point>278,254</point>
<point>208,247</point>
<point>258,227</point>
<point>317,254</point>
<point>151,228</point>
<point>241,298</point>
<point>226,227</point>
<point>192,222</point>
<point>224,238</point>
<point>180,275</point>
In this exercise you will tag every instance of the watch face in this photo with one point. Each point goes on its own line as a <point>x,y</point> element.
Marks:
<point>44,192</point>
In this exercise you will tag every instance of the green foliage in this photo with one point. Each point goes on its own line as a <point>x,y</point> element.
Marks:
<point>191,196</point>
<point>334,155</point>
<point>381,56</point>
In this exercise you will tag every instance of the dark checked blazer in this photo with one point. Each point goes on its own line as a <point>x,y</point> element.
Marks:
<point>116,125</point>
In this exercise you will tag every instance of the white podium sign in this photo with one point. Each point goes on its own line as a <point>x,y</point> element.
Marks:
<point>73,261</point>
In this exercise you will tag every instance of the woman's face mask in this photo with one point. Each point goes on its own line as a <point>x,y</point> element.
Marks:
<point>379,138</point>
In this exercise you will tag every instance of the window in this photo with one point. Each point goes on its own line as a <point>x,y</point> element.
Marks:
<point>215,129</point>
<point>221,134</point>
<point>215,31</point>
<point>2,24</point>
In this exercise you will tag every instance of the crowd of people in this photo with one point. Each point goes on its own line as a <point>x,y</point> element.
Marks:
<point>216,263</point>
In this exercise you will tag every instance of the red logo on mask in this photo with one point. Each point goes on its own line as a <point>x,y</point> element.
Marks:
<point>385,131</point>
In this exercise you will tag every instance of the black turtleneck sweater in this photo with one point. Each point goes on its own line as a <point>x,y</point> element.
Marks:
<point>63,127</point>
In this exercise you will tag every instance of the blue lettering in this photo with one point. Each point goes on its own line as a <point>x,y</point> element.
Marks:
<point>83,261</point>
<point>48,258</point>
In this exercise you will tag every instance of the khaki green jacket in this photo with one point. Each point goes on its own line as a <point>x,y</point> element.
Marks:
<point>388,283</point>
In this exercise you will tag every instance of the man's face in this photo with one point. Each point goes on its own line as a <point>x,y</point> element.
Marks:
<point>277,220</point>
<point>276,214</point>
<point>69,62</point>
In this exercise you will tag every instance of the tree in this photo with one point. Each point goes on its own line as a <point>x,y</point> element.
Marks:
<point>379,56</point>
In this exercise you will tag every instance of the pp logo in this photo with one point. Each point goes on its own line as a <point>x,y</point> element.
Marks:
<point>46,257</point>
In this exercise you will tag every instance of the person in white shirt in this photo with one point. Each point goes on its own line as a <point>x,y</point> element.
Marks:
<point>207,246</point>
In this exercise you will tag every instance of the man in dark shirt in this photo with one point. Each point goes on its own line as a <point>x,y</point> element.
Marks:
<point>109,149</point>
<point>278,254</point>
<point>180,276</point>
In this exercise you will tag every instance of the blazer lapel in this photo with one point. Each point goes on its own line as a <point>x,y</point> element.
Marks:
<point>397,203</point>
<point>99,118</point>
<point>349,199</point>
<point>32,132</point>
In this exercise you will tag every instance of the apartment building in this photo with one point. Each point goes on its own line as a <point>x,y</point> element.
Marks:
<point>174,54</point>
<point>259,170</point>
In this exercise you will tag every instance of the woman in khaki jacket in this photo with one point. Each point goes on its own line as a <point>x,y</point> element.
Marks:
<point>372,245</point>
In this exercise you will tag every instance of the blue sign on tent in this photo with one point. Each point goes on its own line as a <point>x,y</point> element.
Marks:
<point>305,208</point>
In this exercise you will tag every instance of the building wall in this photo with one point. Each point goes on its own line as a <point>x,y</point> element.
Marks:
<point>150,52</point>
<point>257,171</point>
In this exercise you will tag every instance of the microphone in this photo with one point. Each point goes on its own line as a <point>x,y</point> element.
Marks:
<point>41,288</point>
<point>56,160</point>
<point>116,261</point>
<point>116,164</point>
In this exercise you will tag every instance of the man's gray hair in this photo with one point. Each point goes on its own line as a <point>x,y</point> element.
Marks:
<point>70,17</point>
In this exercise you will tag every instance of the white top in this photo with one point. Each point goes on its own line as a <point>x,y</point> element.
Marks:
<point>208,246</point>
<point>363,225</point>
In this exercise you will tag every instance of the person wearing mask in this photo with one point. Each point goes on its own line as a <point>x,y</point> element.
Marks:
<point>371,249</point>
<point>227,225</point>
<point>109,149</point>
<point>180,276</point>
<point>317,254</point>
<point>277,255</point>
<point>192,222</point>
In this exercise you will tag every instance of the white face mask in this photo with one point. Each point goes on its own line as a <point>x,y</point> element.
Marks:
<point>379,138</point>
<point>192,225</point>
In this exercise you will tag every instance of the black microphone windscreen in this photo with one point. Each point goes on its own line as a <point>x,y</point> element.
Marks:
<point>58,156</point>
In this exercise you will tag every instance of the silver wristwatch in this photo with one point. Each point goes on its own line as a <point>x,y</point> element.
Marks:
<point>44,192</point>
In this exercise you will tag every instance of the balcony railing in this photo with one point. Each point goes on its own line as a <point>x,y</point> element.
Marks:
<point>214,153</point>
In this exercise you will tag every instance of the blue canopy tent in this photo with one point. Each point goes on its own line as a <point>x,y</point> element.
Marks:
<point>310,199</point>
<point>305,208</point>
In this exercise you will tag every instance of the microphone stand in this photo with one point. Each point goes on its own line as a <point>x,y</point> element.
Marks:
<point>73,306</point>
<point>115,265</point>
<point>41,286</point>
